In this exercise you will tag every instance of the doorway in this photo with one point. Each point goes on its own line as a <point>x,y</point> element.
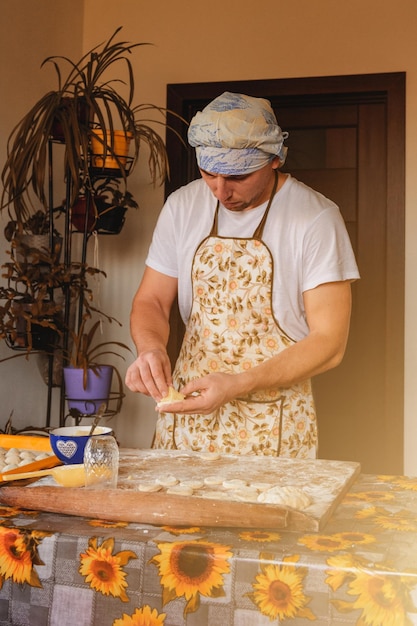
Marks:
<point>347,140</point>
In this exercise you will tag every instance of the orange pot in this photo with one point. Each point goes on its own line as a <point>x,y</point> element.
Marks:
<point>119,148</point>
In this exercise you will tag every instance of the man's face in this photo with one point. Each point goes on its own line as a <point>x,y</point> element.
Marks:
<point>245,191</point>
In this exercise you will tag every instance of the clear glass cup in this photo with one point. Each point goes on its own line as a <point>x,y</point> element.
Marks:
<point>101,462</point>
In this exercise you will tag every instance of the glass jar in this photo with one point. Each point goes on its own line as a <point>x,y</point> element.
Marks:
<point>101,462</point>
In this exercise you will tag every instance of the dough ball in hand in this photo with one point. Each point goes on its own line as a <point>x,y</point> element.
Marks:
<point>172,397</point>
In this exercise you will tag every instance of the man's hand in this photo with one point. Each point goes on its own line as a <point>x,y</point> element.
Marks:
<point>150,374</point>
<point>204,395</point>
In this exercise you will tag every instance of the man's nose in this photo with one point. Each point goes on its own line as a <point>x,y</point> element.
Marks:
<point>223,189</point>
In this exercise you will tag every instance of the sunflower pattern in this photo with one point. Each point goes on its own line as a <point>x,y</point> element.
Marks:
<point>145,616</point>
<point>19,554</point>
<point>103,569</point>
<point>191,569</point>
<point>383,597</point>
<point>98,523</point>
<point>279,590</point>
<point>359,570</point>
<point>183,530</point>
<point>260,536</point>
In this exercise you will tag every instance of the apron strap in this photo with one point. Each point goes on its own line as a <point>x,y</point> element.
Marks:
<point>259,231</point>
<point>260,228</point>
<point>213,231</point>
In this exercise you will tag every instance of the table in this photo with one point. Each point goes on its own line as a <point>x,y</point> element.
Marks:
<point>361,569</point>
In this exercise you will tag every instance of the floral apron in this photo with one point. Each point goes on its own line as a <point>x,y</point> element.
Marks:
<point>232,328</point>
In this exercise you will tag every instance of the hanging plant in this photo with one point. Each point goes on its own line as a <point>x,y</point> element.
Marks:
<point>86,104</point>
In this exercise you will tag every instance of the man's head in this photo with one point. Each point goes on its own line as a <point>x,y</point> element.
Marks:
<point>236,134</point>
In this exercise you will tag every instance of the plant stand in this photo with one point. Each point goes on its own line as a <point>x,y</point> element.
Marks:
<point>113,408</point>
<point>69,232</point>
<point>90,121</point>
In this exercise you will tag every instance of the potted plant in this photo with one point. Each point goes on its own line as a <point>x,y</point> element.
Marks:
<point>85,105</point>
<point>33,236</point>
<point>87,380</point>
<point>59,131</point>
<point>33,299</point>
<point>30,319</point>
<point>28,324</point>
<point>105,204</point>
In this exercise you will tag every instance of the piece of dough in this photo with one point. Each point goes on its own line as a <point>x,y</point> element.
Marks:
<point>180,490</point>
<point>193,483</point>
<point>8,467</point>
<point>27,454</point>
<point>215,495</point>
<point>287,496</point>
<point>149,487</point>
<point>167,481</point>
<point>209,456</point>
<point>210,481</point>
<point>172,397</point>
<point>12,457</point>
<point>244,494</point>
<point>261,486</point>
<point>42,455</point>
<point>234,483</point>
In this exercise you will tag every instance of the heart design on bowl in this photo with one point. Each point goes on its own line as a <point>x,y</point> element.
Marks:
<point>67,448</point>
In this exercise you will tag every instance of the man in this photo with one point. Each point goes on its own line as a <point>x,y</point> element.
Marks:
<point>262,267</point>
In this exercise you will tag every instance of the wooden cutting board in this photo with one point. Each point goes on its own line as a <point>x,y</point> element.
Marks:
<point>325,482</point>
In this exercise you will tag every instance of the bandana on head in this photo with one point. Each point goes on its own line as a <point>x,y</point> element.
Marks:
<point>236,134</point>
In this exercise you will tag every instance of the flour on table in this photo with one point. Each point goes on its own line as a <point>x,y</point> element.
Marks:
<point>180,490</point>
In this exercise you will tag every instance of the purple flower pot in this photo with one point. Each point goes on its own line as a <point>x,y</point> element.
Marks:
<point>88,400</point>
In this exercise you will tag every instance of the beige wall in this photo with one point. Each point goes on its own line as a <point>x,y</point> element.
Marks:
<point>222,40</point>
<point>29,32</point>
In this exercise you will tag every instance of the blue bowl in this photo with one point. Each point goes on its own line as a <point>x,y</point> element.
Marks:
<point>68,442</point>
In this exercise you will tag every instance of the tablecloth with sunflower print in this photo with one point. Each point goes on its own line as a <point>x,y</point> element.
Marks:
<point>71,571</point>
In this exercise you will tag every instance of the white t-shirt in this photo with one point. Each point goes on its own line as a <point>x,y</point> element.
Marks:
<point>304,232</point>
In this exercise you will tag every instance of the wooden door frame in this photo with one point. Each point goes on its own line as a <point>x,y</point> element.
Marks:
<point>186,98</point>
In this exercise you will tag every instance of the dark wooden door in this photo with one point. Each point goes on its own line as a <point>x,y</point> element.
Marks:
<point>347,141</point>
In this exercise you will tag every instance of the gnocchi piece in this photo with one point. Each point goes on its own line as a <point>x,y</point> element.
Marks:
<point>192,483</point>
<point>180,490</point>
<point>13,458</point>
<point>245,494</point>
<point>234,483</point>
<point>213,480</point>
<point>149,487</point>
<point>167,481</point>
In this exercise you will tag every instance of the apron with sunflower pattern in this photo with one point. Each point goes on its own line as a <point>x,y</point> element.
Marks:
<point>232,328</point>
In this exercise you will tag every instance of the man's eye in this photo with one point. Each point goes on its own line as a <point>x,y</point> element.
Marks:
<point>237,178</point>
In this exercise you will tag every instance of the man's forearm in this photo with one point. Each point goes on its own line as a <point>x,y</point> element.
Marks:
<point>149,327</point>
<point>298,362</point>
